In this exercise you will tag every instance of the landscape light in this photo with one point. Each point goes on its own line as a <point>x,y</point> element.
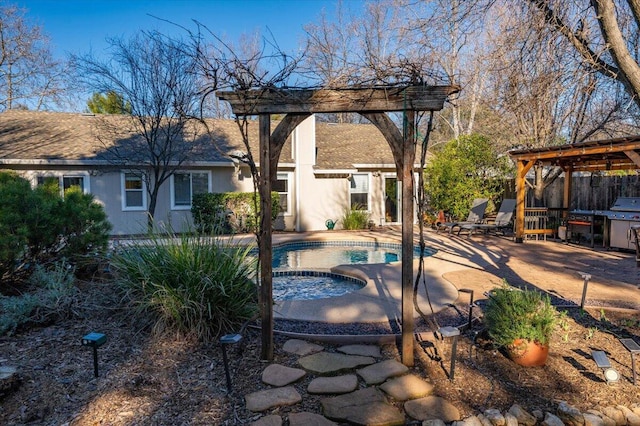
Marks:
<point>94,340</point>
<point>228,339</point>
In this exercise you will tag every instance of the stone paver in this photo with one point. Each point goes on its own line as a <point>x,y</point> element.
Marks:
<point>363,350</point>
<point>301,347</point>
<point>363,407</point>
<point>432,407</point>
<point>309,419</point>
<point>381,371</point>
<point>329,362</point>
<point>333,385</point>
<point>280,375</point>
<point>269,398</point>
<point>407,387</point>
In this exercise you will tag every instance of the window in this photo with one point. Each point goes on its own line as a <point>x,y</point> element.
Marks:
<point>64,182</point>
<point>359,191</point>
<point>134,192</point>
<point>282,187</point>
<point>184,185</point>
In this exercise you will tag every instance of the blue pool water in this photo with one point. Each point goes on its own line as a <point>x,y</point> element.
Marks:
<point>327,254</point>
<point>311,285</point>
<point>300,267</point>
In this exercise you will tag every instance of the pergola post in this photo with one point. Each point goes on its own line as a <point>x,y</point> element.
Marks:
<point>566,194</point>
<point>408,157</point>
<point>523,168</point>
<point>265,243</point>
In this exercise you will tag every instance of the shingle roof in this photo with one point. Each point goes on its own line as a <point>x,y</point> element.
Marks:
<point>35,135</point>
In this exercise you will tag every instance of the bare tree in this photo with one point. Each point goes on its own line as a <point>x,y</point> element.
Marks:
<point>29,76</point>
<point>545,94</point>
<point>157,77</point>
<point>605,34</point>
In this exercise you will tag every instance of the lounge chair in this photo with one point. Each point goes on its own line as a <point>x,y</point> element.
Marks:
<point>476,214</point>
<point>502,222</point>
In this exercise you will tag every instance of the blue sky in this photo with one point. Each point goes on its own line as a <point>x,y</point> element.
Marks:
<point>76,26</point>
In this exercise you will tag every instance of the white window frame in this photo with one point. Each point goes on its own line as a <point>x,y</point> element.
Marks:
<point>123,193</point>
<point>288,176</point>
<point>190,172</point>
<point>368,192</point>
<point>86,185</point>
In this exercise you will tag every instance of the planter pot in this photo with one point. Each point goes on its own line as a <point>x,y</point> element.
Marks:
<point>527,353</point>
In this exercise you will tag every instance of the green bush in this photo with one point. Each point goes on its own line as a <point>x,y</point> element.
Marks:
<point>51,297</point>
<point>355,218</point>
<point>513,313</point>
<point>38,226</point>
<point>463,169</point>
<point>194,285</point>
<point>229,212</point>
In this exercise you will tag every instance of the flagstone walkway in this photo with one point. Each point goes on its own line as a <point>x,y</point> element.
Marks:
<point>361,388</point>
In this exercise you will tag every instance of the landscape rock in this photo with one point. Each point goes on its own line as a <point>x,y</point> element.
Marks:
<point>632,418</point>
<point>538,414</point>
<point>510,419</point>
<point>279,375</point>
<point>569,415</point>
<point>269,398</point>
<point>495,417</point>
<point>271,420</point>
<point>301,347</point>
<point>363,407</point>
<point>407,387</point>
<point>309,419</point>
<point>433,422</point>
<point>329,362</point>
<point>381,371</point>
<point>363,350</point>
<point>469,421</point>
<point>484,420</point>
<point>552,420</point>
<point>522,415</point>
<point>615,414</point>
<point>334,385</point>
<point>432,407</point>
<point>591,419</point>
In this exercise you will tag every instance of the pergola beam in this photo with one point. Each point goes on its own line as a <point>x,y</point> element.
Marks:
<point>383,99</point>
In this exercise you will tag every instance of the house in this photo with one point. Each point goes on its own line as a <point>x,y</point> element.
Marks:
<point>323,169</point>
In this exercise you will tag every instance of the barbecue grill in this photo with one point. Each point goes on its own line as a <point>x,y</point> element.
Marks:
<point>587,222</point>
<point>614,224</point>
<point>624,214</point>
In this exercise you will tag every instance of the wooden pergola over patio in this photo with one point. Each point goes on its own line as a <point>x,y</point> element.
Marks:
<point>372,103</point>
<point>600,155</point>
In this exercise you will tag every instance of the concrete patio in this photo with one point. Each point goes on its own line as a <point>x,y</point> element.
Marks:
<point>478,263</point>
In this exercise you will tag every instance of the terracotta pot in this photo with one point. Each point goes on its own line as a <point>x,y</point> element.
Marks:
<point>527,353</point>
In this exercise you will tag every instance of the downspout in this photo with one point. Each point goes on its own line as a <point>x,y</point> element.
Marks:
<point>296,174</point>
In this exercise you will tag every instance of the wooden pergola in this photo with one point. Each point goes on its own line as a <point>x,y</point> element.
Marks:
<point>600,155</point>
<point>372,103</point>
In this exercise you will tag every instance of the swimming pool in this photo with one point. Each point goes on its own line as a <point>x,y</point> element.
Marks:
<point>312,285</point>
<point>328,254</point>
<point>300,269</point>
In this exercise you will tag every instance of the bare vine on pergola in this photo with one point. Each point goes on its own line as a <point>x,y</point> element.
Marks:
<point>253,91</point>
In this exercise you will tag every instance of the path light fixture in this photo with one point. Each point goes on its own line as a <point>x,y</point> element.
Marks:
<point>94,340</point>
<point>471,304</point>
<point>228,339</point>
<point>453,332</point>
<point>586,277</point>
<point>610,374</point>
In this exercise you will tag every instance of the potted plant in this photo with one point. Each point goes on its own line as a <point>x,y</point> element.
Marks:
<point>520,321</point>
